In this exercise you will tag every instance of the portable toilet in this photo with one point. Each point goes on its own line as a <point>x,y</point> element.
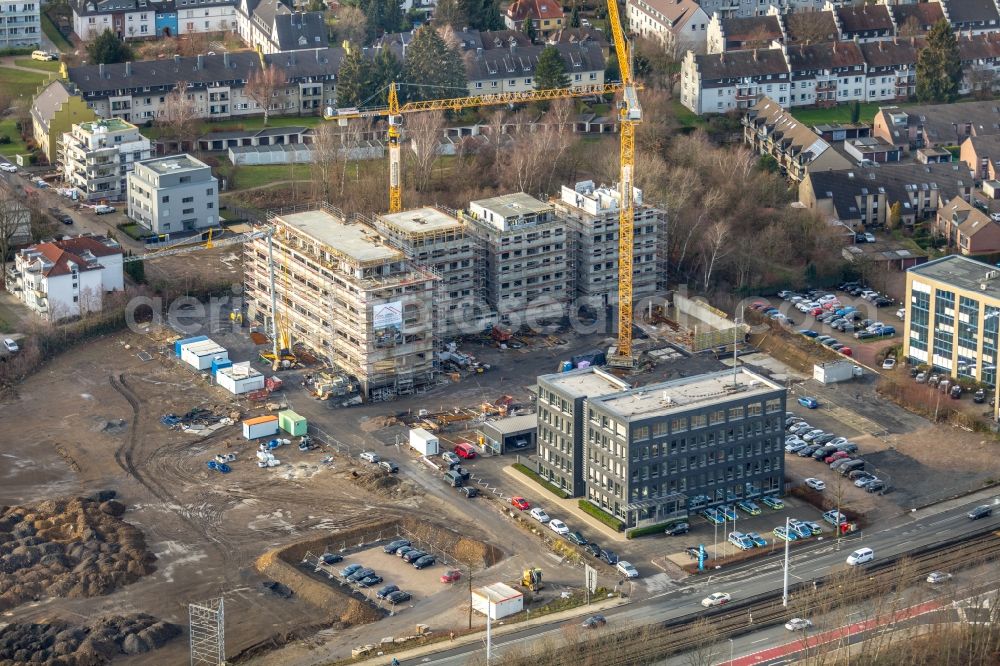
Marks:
<point>291,422</point>
<point>179,345</point>
<point>262,426</point>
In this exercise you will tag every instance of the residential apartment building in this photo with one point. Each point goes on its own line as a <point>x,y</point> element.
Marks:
<point>530,265</point>
<point>272,26</point>
<point>138,19</point>
<point>770,130</point>
<point>97,157</point>
<point>721,82</point>
<point>54,111</point>
<point>593,214</point>
<point>680,25</point>
<point>68,278</point>
<point>930,125</point>
<point>862,196</point>
<point>743,33</point>
<point>982,155</point>
<point>561,424</point>
<point>346,293</point>
<point>862,23</point>
<point>825,74</point>
<point>546,15</point>
<point>173,195</point>
<point>443,242</point>
<point>20,23</point>
<point>953,318</point>
<point>655,453</point>
<point>512,69</point>
<point>967,229</point>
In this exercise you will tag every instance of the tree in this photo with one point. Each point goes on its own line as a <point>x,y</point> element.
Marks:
<point>911,28</point>
<point>439,69</point>
<point>354,79</point>
<point>528,28</point>
<point>108,49</point>
<point>484,14</point>
<point>385,69</point>
<point>135,269</point>
<point>856,112</point>
<point>550,72</point>
<point>179,116</point>
<point>263,85</point>
<point>383,16</point>
<point>351,25</point>
<point>315,6</point>
<point>12,224</point>
<point>450,12</point>
<point>425,131</point>
<point>574,17</point>
<point>982,80</point>
<point>895,215</point>
<point>939,69</point>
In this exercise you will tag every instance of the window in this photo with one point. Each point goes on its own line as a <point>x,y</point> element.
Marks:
<point>735,413</point>
<point>165,199</point>
<point>717,416</point>
<point>187,199</point>
<point>698,421</point>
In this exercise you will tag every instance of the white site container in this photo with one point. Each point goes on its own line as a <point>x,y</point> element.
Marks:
<point>424,442</point>
<point>498,600</point>
<point>262,426</point>
<point>836,371</point>
<point>239,379</point>
<point>201,354</point>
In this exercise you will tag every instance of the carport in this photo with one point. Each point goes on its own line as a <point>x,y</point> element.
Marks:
<point>513,433</point>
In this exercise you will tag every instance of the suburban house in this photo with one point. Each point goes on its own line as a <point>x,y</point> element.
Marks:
<point>136,19</point>
<point>20,23</point>
<point>863,23</point>
<point>173,194</point>
<point>54,111</point>
<point>915,127</point>
<point>68,278</point>
<point>967,229</point>
<point>272,27</point>
<point>862,196</point>
<point>982,155</point>
<point>679,25</point>
<point>546,15</point>
<point>770,130</point>
<point>740,34</point>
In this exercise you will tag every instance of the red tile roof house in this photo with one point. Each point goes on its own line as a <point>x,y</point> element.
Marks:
<point>68,278</point>
<point>967,228</point>
<point>547,15</point>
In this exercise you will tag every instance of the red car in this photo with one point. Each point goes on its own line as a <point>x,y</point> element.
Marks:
<point>451,576</point>
<point>520,503</point>
<point>846,351</point>
<point>816,311</point>
<point>836,456</point>
<point>464,450</point>
<point>832,305</point>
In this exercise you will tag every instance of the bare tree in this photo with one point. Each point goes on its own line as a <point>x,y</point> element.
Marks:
<point>982,80</point>
<point>263,86</point>
<point>425,131</point>
<point>811,27</point>
<point>716,247</point>
<point>911,28</point>
<point>14,226</point>
<point>326,155</point>
<point>179,116</point>
<point>352,24</point>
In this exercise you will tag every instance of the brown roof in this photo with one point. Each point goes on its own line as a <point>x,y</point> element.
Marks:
<point>925,14</point>
<point>978,47</point>
<point>751,28</point>
<point>970,220</point>
<point>676,12</point>
<point>738,64</point>
<point>535,9</point>
<point>824,56</point>
<point>864,18</point>
<point>84,251</point>
<point>891,54</point>
<point>811,27</point>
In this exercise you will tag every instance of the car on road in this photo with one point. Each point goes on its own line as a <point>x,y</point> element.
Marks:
<point>8,167</point>
<point>393,546</point>
<point>450,458</point>
<point>609,556</point>
<point>936,577</point>
<point>451,576</point>
<point>519,502</point>
<point>538,513</point>
<point>758,540</point>
<point>577,538</point>
<point>983,511</point>
<point>10,346</point>
<point>369,456</point>
<point>815,484</point>
<point>808,402</point>
<point>798,624</point>
<point>773,503</point>
<point>860,556</point>
<point>784,535</point>
<point>386,590</point>
<point>350,569</point>
<point>716,599</point>
<point>626,569</point>
<point>748,507</point>
<point>424,562</point>
<point>592,549</point>
<point>398,597</point>
<point>559,527</point>
<point>677,529</point>
<point>369,581</point>
<point>465,450</point>
<point>594,621</point>
<point>102,209</point>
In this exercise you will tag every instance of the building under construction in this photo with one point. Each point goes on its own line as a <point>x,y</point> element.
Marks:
<point>344,292</point>
<point>529,256</point>
<point>440,239</point>
<point>593,214</point>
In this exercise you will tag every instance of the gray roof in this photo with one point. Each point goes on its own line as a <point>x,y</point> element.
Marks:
<point>521,61</point>
<point>52,96</point>
<point>98,7</point>
<point>939,120</point>
<point>961,272</point>
<point>972,12</point>
<point>300,30</point>
<point>514,424</point>
<point>740,64</point>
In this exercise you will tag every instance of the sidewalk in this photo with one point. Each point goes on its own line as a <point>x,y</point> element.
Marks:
<point>497,630</point>
<point>531,490</point>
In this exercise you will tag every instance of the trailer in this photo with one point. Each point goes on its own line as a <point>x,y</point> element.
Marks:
<point>424,442</point>
<point>262,426</point>
<point>199,355</point>
<point>497,600</point>
<point>239,379</point>
<point>836,371</point>
<point>292,423</point>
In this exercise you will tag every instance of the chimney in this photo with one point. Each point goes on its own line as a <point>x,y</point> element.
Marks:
<point>881,46</point>
<point>128,68</point>
<point>100,70</point>
<point>755,55</point>
<point>479,53</point>
<point>201,61</point>
<point>225,59</point>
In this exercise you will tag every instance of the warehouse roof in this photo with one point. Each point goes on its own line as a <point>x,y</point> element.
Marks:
<point>514,424</point>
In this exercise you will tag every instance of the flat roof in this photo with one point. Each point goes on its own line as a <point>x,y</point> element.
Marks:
<point>680,395</point>
<point>498,592</point>
<point>962,273</point>
<point>173,164</point>
<point>512,424</point>
<point>421,220</point>
<point>351,240</point>
<point>512,205</point>
<point>110,124</point>
<point>585,382</point>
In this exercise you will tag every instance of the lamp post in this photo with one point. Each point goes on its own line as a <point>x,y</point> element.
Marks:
<point>784,595</point>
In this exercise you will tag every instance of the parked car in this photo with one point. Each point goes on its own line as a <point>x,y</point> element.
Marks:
<point>837,464</point>
<point>363,572</point>
<point>748,507</point>
<point>102,209</point>
<point>539,514</point>
<point>815,484</point>
<point>577,538</point>
<point>712,516</point>
<point>773,503</point>
<point>450,458</point>
<point>331,558</point>
<point>626,569</point>
<point>809,333</point>
<point>610,557</point>
<point>350,569</point>
<point>386,590</point>
<point>8,167</point>
<point>979,396</point>
<point>799,428</point>
<point>835,456</point>
<point>808,402</point>
<point>758,540</point>
<point>369,581</point>
<point>559,527</point>
<point>876,486</point>
<point>983,511</point>
<point>464,450</point>
<point>451,576</point>
<point>470,492</point>
<point>834,517</point>
<point>413,556</point>
<point>860,474</point>
<point>936,577</point>
<point>424,562</point>
<point>519,502</point>
<point>677,529</point>
<point>11,346</point>
<point>369,456</point>
<point>398,597</point>
<point>404,550</point>
<point>389,466</point>
<point>784,535</point>
<point>812,434</point>
<point>592,549</point>
<point>798,624</point>
<point>740,540</point>
<point>716,599</point>
<point>813,526</point>
<point>393,546</point>
<point>795,447</point>
<point>846,351</point>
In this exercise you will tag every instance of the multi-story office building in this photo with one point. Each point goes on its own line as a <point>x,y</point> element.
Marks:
<point>173,194</point>
<point>953,318</point>
<point>98,156</point>
<point>652,454</point>
<point>20,23</point>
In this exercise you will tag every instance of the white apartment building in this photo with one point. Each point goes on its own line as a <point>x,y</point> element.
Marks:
<point>68,278</point>
<point>173,194</point>
<point>20,23</point>
<point>97,157</point>
<point>678,24</point>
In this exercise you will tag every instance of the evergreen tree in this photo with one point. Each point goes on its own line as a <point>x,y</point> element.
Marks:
<point>939,69</point>
<point>611,72</point>
<point>574,17</point>
<point>856,112</point>
<point>485,15</point>
<point>528,28</point>
<point>354,79</point>
<point>438,69</point>
<point>451,12</point>
<point>135,269</point>
<point>550,72</point>
<point>108,49</point>
<point>383,16</point>
<point>385,69</point>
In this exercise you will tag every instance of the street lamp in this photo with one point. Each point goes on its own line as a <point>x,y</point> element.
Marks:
<point>730,652</point>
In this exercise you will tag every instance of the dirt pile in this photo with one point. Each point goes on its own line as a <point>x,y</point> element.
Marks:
<point>384,484</point>
<point>62,644</point>
<point>68,548</point>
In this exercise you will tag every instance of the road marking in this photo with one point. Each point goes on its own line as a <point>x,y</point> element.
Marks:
<point>760,641</point>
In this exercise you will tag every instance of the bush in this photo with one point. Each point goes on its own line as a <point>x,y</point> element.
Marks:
<point>652,529</point>
<point>597,512</point>
<point>531,474</point>
<point>16,52</point>
<point>5,139</point>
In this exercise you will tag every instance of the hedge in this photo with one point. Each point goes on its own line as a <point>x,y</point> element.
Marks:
<point>531,474</point>
<point>651,529</point>
<point>602,515</point>
<point>16,51</point>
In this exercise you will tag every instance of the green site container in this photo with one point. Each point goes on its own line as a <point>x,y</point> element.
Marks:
<point>291,422</point>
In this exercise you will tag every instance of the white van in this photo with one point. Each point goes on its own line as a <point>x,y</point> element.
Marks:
<point>860,556</point>
<point>44,56</point>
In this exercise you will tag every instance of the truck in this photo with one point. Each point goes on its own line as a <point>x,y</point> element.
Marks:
<point>836,371</point>
<point>425,443</point>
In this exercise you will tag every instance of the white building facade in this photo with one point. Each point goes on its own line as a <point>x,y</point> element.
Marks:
<point>97,156</point>
<point>20,23</point>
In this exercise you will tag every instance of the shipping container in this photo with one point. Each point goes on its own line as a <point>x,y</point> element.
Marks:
<point>239,379</point>
<point>836,371</point>
<point>424,442</point>
<point>498,600</point>
<point>180,344</point>
<point>219,364</point>
<point>262,426</point>
<point>292,423</point>
<point>200,355</point>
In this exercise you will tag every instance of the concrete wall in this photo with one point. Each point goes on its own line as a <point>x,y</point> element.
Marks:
<point>712,328</point>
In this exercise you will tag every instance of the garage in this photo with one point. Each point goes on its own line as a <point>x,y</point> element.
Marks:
<point>512,434</point>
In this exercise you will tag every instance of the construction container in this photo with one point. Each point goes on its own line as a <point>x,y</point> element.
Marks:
<point>239,379</point>
<point>199,355</point>
<point>180,344</point>
<point>424,442</point>
<point>262,426</point>
<point>292,423</point>
<point>272,383</point>
<point>497,600</point>
<point>219,364</point>
<point>836,371</point>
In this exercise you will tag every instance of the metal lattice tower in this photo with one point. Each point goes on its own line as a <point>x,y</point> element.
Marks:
<point>207,624</point>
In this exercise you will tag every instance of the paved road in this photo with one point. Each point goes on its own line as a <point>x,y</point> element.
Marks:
<point>755,578</point>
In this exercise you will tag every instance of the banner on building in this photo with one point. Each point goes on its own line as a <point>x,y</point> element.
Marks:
<point>387,322</point>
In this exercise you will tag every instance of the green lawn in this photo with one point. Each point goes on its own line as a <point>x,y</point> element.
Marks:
<point>255,176</point>
<point>16,145</point>
<point>52,32</point>
<point>837,114</point>
<point>21,83</point>
<point>242,124</point>
<point>685,116</point>
<point>45,66</point>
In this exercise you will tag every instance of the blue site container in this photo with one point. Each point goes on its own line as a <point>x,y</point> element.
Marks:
<point>219,364</point>
<point>182,343</point>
